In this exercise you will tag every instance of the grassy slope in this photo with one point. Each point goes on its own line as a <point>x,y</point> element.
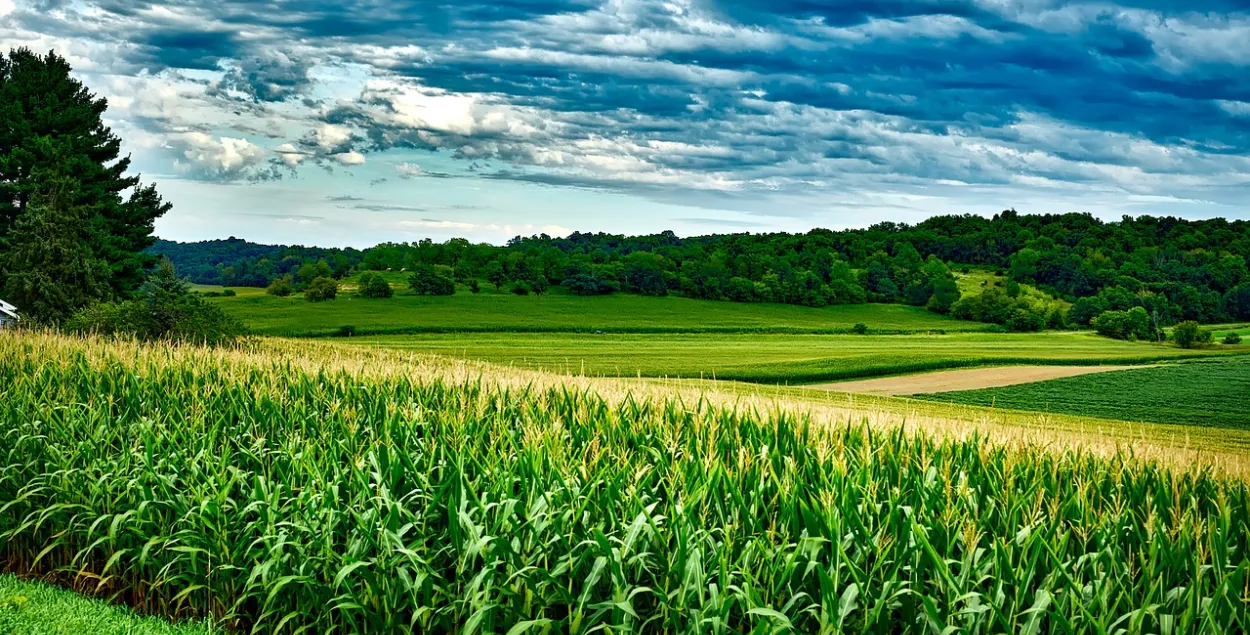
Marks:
<point>1205,393</point>
<point>34,608</point>
<point>559,312</point>
<point>779,358</point>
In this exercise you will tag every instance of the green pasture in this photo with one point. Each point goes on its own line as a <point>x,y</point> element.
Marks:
<point>781,358</point>
<point>1211,392</point>
<point>558,312</point>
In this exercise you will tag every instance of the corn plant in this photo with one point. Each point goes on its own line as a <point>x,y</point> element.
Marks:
<point>273,495</point>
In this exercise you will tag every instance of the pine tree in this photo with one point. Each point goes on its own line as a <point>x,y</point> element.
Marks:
<point>50,270</point>
<point>51,128</point>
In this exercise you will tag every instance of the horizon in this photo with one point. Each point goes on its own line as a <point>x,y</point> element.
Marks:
<point>502,243</point>
<point>353,123</point>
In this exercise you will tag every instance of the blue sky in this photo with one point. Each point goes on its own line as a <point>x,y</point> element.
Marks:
<point>351,122</point>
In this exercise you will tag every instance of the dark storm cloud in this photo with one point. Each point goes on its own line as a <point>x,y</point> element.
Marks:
<point>708,95</point>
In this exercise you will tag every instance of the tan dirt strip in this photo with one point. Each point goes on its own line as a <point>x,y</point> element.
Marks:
<point>965,379</point>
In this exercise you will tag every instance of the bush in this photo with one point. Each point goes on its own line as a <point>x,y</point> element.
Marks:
<point>228,293</point>
<point>587,284</point>
<point>373,285</point>
<point>860,328</point>
<point>346,330</point>
<point>427,280</point>
<point>1133,324</point>
<point>1189,334</point>
<point>1024,321</point>
<point>165,310</point>
<point>281,287</point>
<point>520,288</point>
<point>1232,338</point>
<point>474,286</point>
<point>321,289</point>
<point>540,285</point>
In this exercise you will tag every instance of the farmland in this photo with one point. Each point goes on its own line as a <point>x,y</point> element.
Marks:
<point>781,358</point>
<point>560,312</point>
<point>315,486</point>
<point>1200,393</point>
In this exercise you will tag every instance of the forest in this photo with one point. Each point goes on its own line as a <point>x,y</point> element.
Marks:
<point>1174,269</point>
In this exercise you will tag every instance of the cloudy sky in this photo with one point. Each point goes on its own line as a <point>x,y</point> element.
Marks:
<point>349,122</point>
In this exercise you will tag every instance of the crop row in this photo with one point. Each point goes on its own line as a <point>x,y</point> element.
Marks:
<point>278,497</point>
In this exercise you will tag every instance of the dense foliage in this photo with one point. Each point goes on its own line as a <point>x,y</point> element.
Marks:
<point>68,236</point>
<point>330,500</point>
<point>372,285</point>
<point>165,310</point>
<point>1174,269</point>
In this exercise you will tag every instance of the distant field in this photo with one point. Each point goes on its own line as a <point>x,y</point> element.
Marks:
<point>781,358</point>
<point>1205,392</point>
<point>561,313</point>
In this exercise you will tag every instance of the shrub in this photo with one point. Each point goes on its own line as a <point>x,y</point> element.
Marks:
<point>1022,320</point>
<point>520,288</point>
<point>1133,324</point>
<point>474,286</point>
<point>1189,334</point>
<point>860,328</point>
<point>228,293</point>
<point>346,330</point>
<point>540,285</point>
<point>427,280</point>
<point>587,284</point>
<point>1232,338</point>
<point>281,287</point>
<point>165,310</point>
<point>321,289</point>
<point>373,285</point>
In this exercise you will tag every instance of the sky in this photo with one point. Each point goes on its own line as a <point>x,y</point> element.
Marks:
<point>353,122</point>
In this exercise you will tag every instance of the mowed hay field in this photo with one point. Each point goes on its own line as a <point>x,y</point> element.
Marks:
<point>782,358</point>
<point>317,488</point>
<point>1202,392</point>
<point>559,312</point>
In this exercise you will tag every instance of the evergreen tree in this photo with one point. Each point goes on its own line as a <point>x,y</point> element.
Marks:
<point>48,270</point>
<point>51,126</point>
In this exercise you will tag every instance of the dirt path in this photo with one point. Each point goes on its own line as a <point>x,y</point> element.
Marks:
<point>966,379</point>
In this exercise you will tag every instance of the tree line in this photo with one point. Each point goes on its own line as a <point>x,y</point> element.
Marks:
<point>1173,269</point>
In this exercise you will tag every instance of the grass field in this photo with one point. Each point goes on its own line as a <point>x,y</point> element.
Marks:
<point>34,608</point>
<point>557,312</point>
<point>781,358</point>
<point>1204,392</point>
<point>308,486</point>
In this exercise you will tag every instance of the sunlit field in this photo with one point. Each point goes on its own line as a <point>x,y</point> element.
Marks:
<point>304,486</point>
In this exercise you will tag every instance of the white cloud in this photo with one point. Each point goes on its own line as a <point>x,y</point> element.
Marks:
<point>224,158</point>
<point>350,158</point>
<point>7,7</point>
<point>290,155</point>
<point>408,170</point>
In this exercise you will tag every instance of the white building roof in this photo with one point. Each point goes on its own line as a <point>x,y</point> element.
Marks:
<point>8,310</point>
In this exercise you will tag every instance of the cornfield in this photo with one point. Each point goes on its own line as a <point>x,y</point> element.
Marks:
<point>275,496</point>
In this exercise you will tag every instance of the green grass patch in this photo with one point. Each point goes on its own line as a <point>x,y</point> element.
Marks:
<point>1204,393</point>
<point>558,312</point>
<point>780,358</point>
<point>35,608</point>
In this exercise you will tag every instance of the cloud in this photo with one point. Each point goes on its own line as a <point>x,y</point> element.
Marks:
<point>712,102</point>
<point>218,158</point>
<point>7,7</point>
<point>350,158</point>
<point>408,170</point>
